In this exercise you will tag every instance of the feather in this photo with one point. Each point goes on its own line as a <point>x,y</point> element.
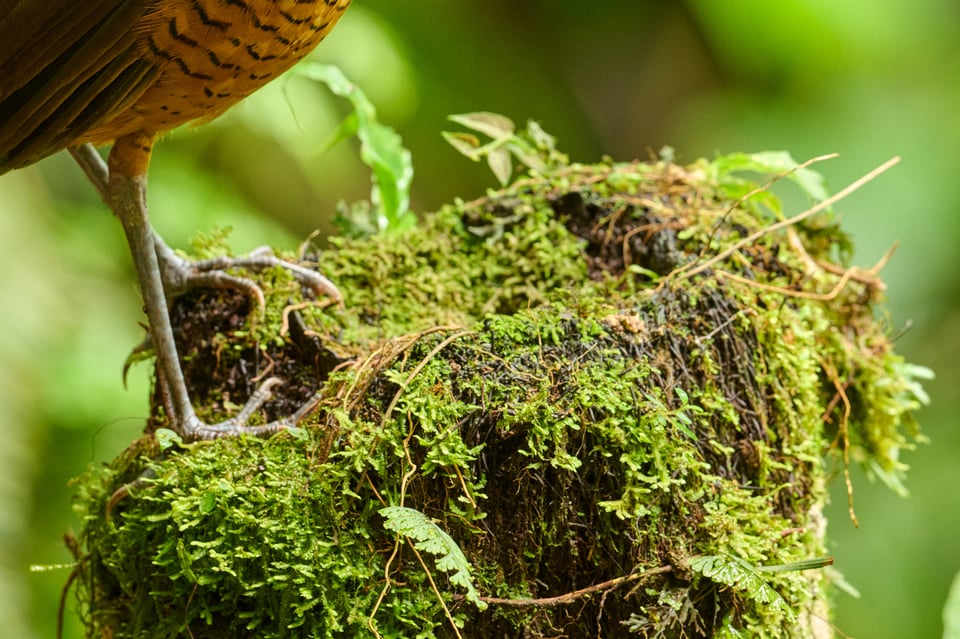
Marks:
<point>65,66</point>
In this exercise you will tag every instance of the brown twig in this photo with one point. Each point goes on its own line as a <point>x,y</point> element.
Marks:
<point>854,273</point>
<point>690,270</point>
<point>760,189</point>
<point>844,433</point>
<point>571,597</point>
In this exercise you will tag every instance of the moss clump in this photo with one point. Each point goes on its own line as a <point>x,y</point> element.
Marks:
<point>615,395</point>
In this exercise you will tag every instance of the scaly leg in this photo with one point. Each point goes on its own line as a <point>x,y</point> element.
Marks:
<point>181,275</point>
<point>123,186</point>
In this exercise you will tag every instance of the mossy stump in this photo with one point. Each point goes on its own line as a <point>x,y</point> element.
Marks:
<point>603,402</point>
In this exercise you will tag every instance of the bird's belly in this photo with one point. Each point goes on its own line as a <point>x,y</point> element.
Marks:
<point>212,53</point>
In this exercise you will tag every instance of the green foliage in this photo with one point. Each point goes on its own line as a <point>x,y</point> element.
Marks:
<point>769,164</point>
<point>239,528</point>
<point>536,375</point>
<point>890,425</point>
<point>455,267</point>
<point>835,82</point>
<point>167,438</point>
<point>380,148</point>
<point>744,578</point>
<point>533,147</point>
<point>429,537</point>
<point>210,244</point>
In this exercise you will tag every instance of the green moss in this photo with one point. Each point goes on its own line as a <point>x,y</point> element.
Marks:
<point>542,375</point>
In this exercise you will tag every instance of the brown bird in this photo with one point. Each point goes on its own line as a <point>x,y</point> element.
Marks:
<point>79,73</point>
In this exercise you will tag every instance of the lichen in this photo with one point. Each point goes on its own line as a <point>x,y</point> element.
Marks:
<point>619,441</point>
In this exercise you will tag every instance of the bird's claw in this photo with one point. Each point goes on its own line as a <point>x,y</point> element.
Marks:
<point>180,275</point>
<point>192,428</point>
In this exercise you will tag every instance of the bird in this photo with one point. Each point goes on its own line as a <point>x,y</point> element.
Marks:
<point>79,74</point>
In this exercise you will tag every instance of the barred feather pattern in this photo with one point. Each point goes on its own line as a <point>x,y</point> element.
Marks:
<point>76,71</point>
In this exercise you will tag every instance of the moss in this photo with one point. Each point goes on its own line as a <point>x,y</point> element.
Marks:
<point>618,443</point>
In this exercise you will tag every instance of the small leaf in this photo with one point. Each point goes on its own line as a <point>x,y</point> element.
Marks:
<point>49,567</point>
<point>807,564</point>
<point>492,124</point>
<point>532,147</point>
<point>728,631</point>
<point>742,577</point>
<point>430,538</point>
<point>539,137</point>
<point>774,163</point>
<point>466,143</point>
<point>532,160</point>
<point>501,165</point>
<point>298,433</point>
<point>381,148</point>
<point>208,502</point>
<point>167,438</point>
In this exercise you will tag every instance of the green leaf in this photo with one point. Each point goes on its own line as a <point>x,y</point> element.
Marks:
<point>466,143</point>
<point>381,148</point>
<point>774,163</point>
<point>167,438</point>
<point>807,564</point>
<point>208,501</point>
<point>493,125</point>
<point>430,538</point>
<point>728,631</point>
<point>532,147</point>
<point>500,164</point>
<point>913,388</point>
<point>540,138</point>
<point>742,577</point>
<point>298,433</point>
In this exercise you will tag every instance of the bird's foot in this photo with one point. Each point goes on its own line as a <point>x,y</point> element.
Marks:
<point>122,184</point>
<point>191,428</point>
<point>180,275</point>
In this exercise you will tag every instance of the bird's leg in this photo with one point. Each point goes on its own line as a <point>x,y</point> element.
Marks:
<point>123,185</point>
<point>94,168</point>
<point>181,275</point>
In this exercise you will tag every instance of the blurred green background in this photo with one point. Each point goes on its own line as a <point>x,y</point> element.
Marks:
<point>612,77</point>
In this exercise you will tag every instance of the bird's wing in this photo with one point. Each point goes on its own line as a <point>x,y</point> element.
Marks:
<point>65,66</point>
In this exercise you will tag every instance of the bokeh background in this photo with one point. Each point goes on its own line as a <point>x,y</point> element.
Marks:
<point>621,78</point>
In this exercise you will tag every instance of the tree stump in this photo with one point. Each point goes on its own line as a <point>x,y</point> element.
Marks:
<point>603,401</point>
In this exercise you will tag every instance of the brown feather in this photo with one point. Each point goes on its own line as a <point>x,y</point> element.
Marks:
<point>76,71</point>
<point>56,82</point>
